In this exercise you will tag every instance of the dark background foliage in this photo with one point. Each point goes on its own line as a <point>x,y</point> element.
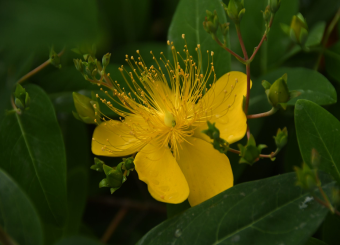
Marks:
<point>29,29</point>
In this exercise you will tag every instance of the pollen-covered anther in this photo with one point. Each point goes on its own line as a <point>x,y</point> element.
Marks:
<point>212,53</point>
<point>183,36</point>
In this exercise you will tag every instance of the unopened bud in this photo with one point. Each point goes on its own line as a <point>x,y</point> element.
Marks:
<point>235,10</point>
<point>98,165</point>
<point>22,99</point>
<point>267,14</point>
<point>79,65</point>
<point>85,110</point>
<point>250,153</point>
<point>214,133</point>
<point>54,58</point>
<point>274,5</point>
<point>281,138</point>
<point>106,60</point>
<point>306,177</point>
<point>298,29</point>
<point>211,22</point>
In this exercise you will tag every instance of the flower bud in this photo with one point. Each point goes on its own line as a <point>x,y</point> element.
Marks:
<point>274,5</point>
<point>211,22</point>
<point>225,29</point>
<point>250,153</point>
<point>22,98</point>
<point>218,143</point>
<point>267,14</point>
<point>281,138</point>
<point>85,109</point>
<point>306,177</point>
<point>106,60</point>
<point>54,58</point>
<point>114,177</point>
<point>79,65</point>
<point>298,29</point>
<point>235,10</point>
<point>128,163</point>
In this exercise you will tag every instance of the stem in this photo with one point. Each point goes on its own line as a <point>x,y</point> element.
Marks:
<point>239,35</point>
<point>326,205</point>
<point>264,114</point>
<point>114,223</point>
<point>39,68</point>
<point>327,35</point>
<point>227,49</point>
<point>271,155</point>
<point>263,38</point>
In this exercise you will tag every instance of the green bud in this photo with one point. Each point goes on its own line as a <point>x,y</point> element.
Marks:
<point>106,60</point>
<point>277,93</point>
<point>306,177</point>
<point>54,58</point>
<point>250,153</point>
<point>98,165</point>
<point>211,22</point>
<point>235,10</point>
<point>298,29</point>
<point>128,163</point>
<point>274,5</point>
<point>114,177</point>
<point>85,107</point>
<point>22,99</point>
<point>267,14</point>
<point>79,65</point>
<point>225,28</point>
<point>281,138</point>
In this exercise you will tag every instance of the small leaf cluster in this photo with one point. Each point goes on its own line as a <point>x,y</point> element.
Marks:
<point>115,176</point>
<point>214,133</point>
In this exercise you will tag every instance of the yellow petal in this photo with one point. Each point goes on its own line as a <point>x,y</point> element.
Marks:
<point>113,138</point>
<point>207,171</point>
<point>157,167</point>
<point>231,121</point>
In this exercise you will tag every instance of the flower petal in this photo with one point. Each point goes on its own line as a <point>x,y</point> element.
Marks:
<point>157,167</point>
<point>231,121</point>
<point>113,138</point>
<point>207,171</point>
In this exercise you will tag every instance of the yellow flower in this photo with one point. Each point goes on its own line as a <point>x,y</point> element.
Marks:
<point>163,122</point>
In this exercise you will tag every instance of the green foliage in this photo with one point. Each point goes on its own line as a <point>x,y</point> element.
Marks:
<point>77,240</point>
<point>18,216</point>
<point>257,211</point>
<point>33,147</point>
<point>318,129</point>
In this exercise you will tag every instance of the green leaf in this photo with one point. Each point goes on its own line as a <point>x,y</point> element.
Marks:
<point>77,240</point>
<point>312,85</point>
<point>332,60</point>
<point>331,229</point>
<point>314,241</point>
<point>315,35</point>
<point>32,152</point>
<point>188,19</point>
<point>317,129</point>
<point>18,216</point>
<point>268,211</point>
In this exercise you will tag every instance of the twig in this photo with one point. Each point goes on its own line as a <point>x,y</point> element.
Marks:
<point>263,38</point>
<point>325,204</point>
<point>114,223</point>
<point>270,156</point>
<point>39,68</point>
<point>327,35</point>
<point>227,49</point>
<point>264,114</point>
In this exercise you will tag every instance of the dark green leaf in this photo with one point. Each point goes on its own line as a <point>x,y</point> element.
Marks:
<point>32,152</point>
<point>315,35</point>
<point>332,59</point>
<point>18,216</point>
<point>314,241</point>
<point>188,20</point>
<point>78,240</point>
<point>317,129</point>
<point>268,211</point>
<point>331,229</point>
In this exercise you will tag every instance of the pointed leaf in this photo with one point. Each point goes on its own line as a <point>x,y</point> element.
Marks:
<point>32,152</point>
